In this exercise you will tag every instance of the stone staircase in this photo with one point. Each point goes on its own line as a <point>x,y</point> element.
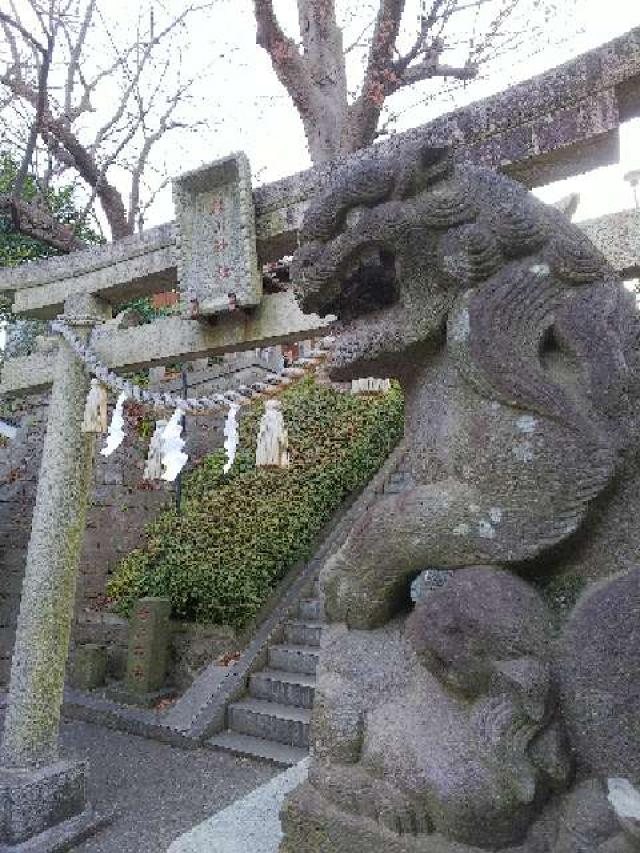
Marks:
<point>272,721</point>
<point>273,718</point>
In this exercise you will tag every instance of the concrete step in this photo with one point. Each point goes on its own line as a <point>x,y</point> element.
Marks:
<point>257,747</point>
<point>271,721</point>
<point>294,658</point>
<point>310,610</point>
<point>286,688</point>
<point>299,633</point>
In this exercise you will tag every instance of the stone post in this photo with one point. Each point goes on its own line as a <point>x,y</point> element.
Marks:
<point>48,593</point>
<point>30,746</point>
<point>148,645</point>
<point>89,667</point>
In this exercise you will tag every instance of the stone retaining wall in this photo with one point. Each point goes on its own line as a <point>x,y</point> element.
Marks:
<point>19,465</point>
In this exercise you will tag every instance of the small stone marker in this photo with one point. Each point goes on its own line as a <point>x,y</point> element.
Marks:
<point>148,645</point>
<point>157,374</point>
<point>89,667</point>
<point>217,258</point>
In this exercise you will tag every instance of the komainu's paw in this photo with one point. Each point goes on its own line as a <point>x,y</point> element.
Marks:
<point>355,790</point>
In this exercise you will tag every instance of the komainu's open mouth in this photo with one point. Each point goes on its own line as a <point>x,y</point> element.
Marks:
<point>347,281</point>
<point>369,283</point>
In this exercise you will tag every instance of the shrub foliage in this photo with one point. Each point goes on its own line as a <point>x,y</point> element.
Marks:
<point>238,534</point>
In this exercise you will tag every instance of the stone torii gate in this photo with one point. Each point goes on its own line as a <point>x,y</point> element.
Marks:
<point>553,126</point>
<point>218,273</point>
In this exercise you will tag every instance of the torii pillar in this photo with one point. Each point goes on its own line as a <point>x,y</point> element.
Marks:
<point>42,798</point>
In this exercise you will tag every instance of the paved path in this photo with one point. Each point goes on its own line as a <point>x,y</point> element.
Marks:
<point>158,792</point>
<point>250,825</point>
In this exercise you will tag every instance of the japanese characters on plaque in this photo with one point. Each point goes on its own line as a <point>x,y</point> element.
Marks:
<point>217,259</point>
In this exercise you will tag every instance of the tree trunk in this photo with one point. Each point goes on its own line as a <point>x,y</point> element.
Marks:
<point>362,123</point>
<point>325,121</point>
<point>334,129</point>
<point>38,222</point>
<point>316,77</point>
<point>109,197</point>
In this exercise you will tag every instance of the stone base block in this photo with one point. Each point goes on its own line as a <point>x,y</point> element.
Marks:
<point>312,825</point>
<point>63,837</point>
<point>44,809</point>
<point>122,694</point>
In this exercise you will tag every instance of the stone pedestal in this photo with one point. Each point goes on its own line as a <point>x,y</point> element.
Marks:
<point>34,802</point>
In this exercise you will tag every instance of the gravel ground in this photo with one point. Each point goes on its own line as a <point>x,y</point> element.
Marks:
<point>157,791</point>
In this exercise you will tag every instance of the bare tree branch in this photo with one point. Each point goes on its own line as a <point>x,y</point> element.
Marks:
<point>383,43</point>
<point>152,197</point>
<point>49,98</point>
<point>74,55</point>
<point>79,156</point>
<point>364,113</point>
<point>357,42</point>
<point>36,127</point>
<point>36,221</point>
<point>440,9</point>
<point>26,35</point>
<point>13,44</point>
<point>40,104</point>
<point>164,126</point>
<point>287,62</point>
<point>428,69</point>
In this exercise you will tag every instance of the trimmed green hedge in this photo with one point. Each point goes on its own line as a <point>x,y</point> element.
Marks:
<point>238,534</point>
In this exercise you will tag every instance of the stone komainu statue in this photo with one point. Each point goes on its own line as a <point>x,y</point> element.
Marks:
<point>481,718</point>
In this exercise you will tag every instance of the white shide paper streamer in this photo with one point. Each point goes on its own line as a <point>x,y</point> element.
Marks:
<point>116,428</point>
<point>231,436</point>
<point>173,456</point>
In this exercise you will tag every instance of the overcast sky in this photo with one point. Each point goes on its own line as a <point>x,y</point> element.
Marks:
<point>237,91</point>
<point>250,111</point>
